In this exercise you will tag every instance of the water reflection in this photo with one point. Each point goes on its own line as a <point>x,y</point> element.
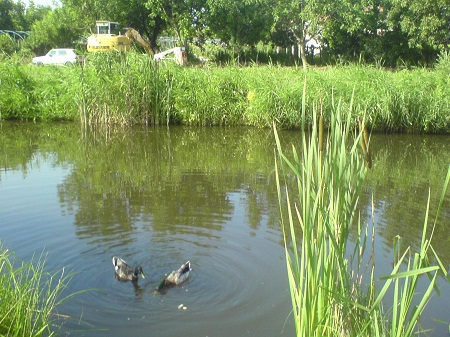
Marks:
<point>406,169</point>
<point>179,179</point>
<point>176,180</point>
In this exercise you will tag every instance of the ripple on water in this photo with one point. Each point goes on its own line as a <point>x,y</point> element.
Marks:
<point>232,282</point>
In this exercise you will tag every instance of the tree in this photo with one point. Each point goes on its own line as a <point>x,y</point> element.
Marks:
<point>34,13</point>
<point>56,29</point>
<point>240,22</point>
<point>6,9</point>
<point>182,17</point>
<point>12,15</point>
<point>355,30</point>
<point>301,19</point>
<point>426,22</point>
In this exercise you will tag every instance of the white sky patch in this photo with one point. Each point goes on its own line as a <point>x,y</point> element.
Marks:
<point>51,3</point>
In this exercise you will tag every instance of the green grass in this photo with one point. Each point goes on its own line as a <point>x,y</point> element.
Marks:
<point>28,296</point>
<point>334,292</point>
<point>132,89</point>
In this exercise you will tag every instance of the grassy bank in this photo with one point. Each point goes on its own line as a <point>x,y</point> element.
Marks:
<point>118,89</point>
<point>334,287</point>
<point>28,296</point>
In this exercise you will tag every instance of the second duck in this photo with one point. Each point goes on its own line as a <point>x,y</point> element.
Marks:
<point>176,277</point>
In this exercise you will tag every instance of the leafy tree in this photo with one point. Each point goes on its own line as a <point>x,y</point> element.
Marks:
<point>33,14</point>
<point>426,22</point>
<point>19,16</point>
<point>240,22</point>
<point>353,29</point>
<point>301,19</point>
<point>12,15</point>
<point>182,17</point>
<point>56,29</point>
<point>6,19</point>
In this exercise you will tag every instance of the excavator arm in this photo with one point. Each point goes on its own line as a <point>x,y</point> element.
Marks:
<point>134,35</point>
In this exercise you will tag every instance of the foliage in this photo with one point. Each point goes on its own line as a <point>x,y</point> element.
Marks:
<point>329,297</point>
<point>426,23</point>
<point>239,23</point>
<point>443,63</point>
<point>140,17</point>
<point>6,7</point>
<point>12,15</point>
<point>16,16</point>
<point>16,92</point>
<point>55,30</point>
<point>28,295</point>
<point>34,13</point>
<point>291,17</point>
<point>7,46</point>
<point>181,17</point>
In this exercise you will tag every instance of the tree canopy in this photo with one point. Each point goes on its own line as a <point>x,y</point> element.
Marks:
<point>391,31</point>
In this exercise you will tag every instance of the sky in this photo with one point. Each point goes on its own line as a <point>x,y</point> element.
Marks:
<point>42,2</point>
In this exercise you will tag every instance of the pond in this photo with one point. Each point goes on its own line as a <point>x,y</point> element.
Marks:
<point>158,197</point>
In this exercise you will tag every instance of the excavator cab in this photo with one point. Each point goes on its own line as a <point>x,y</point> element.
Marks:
<point>107,27</point>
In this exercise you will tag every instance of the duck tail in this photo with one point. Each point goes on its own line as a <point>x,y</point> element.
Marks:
<point>185,268</point>
<point>114,261</point>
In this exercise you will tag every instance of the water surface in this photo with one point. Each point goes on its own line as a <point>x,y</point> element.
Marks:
<point>160,196</point>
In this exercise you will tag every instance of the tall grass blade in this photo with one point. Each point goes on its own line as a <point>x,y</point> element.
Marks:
<point>28,296</point>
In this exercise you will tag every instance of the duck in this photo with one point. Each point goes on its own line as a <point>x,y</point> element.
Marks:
<point>175,277</point>
<point>125,272</point>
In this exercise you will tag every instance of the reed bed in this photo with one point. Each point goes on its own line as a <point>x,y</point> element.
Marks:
<point>28,296</point>
<point>123,89</point>
<point>127,89</point>
<point>334,289</point>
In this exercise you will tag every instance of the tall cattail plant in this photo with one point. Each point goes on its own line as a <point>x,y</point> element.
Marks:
<point>329,292</point>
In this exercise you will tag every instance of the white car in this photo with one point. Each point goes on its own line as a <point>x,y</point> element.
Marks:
<point>61,56</point>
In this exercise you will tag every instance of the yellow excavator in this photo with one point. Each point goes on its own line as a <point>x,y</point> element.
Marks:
<point>109,38</point>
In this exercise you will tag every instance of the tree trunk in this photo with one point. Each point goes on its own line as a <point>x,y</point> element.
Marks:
<point>303,54</point>
<point>301,41</point>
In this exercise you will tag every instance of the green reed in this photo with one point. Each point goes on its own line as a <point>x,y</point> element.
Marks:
<point>332,294</point>
<point>134,90</point>
<point>123,89</point>
<point>209,95</point>
<point>130,89</point>
<point>16,86</point>
<point>28,296</point>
